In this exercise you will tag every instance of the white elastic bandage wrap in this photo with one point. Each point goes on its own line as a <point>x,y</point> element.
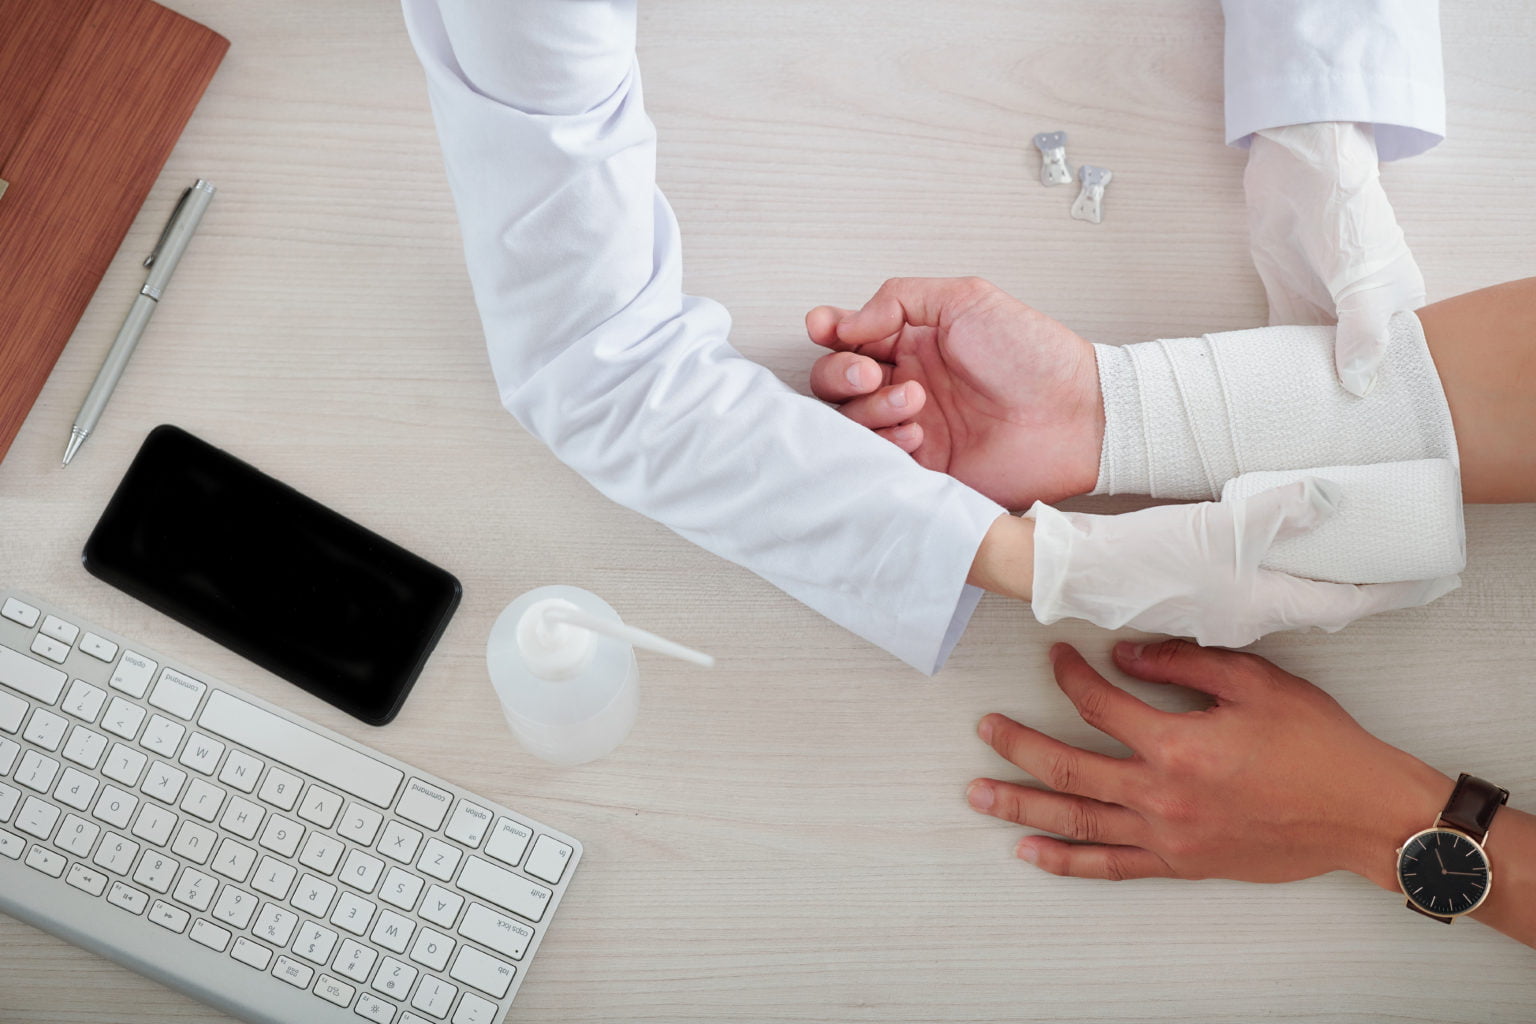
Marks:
<point>1183,417</point>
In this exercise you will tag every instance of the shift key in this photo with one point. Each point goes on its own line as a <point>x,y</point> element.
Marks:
<point>505,889</point>
<point>30,676</point>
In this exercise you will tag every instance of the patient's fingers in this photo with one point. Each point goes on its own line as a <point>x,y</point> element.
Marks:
<point>843,375</point>
<point>888,407</point>
<point>908,436</point>
<point>821,325</point>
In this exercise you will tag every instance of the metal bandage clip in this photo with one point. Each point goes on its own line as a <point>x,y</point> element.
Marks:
<point>1089,201</point>
<point>1053,154</point>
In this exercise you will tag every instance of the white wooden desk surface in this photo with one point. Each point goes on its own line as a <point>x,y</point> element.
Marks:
<point>785,838</point>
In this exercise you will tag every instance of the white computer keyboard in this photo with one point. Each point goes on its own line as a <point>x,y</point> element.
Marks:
<point>267,866</point>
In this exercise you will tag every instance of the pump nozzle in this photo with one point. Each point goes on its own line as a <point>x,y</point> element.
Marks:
<point>564,612</point>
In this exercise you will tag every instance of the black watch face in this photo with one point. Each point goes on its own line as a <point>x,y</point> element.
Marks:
<point>1443,872</point>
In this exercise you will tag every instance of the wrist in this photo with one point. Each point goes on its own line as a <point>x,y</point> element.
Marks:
<point>1005,560</point>
<point>1410,798</point>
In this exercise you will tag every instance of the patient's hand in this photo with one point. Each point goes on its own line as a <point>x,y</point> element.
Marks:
<point>970,381</point>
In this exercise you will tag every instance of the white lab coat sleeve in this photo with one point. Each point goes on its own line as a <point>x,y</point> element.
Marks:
<point>576,266</point>
<point>1376,62</point>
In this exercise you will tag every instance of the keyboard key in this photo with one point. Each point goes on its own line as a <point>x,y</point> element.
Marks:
<point>233,860</point>
<point>433,997</point>
<point>469,824</point>
<point>77,835</point>
<point>334,991</point>
<point>37,818</point>
<point>125,765</point>
<point>116,853</point>
<point>234,907</point>
<point>154,824</point>
<point>171,918</point>
<point>314,895</point>
<point>474,1010</point>
<point>240,771</point>
<point>432,949</point>
<point>128,898</point>
<point>281,740</point>
<point>360,824</point>
<point>123,718</point>
<point>203,800</point>
<point>45,860</point>
<point>508,841</point>
<point>497,931</point>
<point>483,971</point>
<point>441,906</point>
<point>392,931</point>
<point>371,1007</point>
<point>29,676</point>
<point>63,632</point>
<point>281,835</point>
<point>281,788</point>
<point>503,888</point>
<point>84,701</point>
<point>20,611</point>
<point>85,747</point>
<point>399,842</point>
<point>12,711</point>
<point>275,925</point>
<point>293,972</point>
<point>195,889</point>
<point>164,782</point>
<point>194,842</point>
<point>355,960</point>
<point>10,750</point>
<point>242,818</point>
<point>202,753</point>
<point>274,878</point>
<point>50,648</point>
<point>155,871</point>
<point>251,954</point>
<point>10,796</point>
<point>424,804</point>
<point>400,889</point>
<point>177,693</point>
<point>11,845</point>
<point>322,853</point>
<point>210,935</point>
<point>98,647</point>
<point>75,789</point>
<point>46,729</point>
<point>353,914</point>
<point>320,806</point>
<point>162,736</point>
<point>439,860</point>
<point>315,943</point>
<point>86,880</point>
<point>395,978</point>
<point>36,771</point>
<point>115,807</point>
<point>361,871</point>
<point>133,674</point>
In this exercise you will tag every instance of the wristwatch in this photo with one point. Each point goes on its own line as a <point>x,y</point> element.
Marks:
<point>1444,869</point>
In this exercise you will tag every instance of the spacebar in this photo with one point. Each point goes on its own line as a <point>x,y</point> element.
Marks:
<point>297,747</point>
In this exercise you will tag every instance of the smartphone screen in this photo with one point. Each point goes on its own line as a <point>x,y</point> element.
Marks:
<point>275,576</point>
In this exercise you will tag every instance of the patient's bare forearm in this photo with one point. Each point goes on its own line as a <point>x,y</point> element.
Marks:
<point>1484,347</point>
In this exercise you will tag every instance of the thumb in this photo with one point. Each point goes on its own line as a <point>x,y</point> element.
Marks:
<point>1280,513</point>
<point>1358,348</point>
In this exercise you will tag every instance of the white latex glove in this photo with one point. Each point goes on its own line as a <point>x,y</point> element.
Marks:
<point>1193,570</point>
<point>1325,241</point>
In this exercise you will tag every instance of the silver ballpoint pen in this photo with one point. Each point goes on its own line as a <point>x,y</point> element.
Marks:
<point>161,263</point>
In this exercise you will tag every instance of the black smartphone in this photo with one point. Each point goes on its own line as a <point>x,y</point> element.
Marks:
<point>275,576</point>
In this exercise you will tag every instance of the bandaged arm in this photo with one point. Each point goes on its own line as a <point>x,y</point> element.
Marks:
<point>575,261</point>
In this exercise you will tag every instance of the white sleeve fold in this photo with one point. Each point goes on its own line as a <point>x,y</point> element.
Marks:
<point>575,261</point>
<point>1376,62</point>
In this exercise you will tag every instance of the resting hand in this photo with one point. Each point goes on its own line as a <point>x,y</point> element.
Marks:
<point>1193,570</point>
<point>1326,242</point>
<point>1273,782</point>
<point>971,382</point>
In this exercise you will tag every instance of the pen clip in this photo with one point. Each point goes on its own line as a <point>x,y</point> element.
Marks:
<point>149,260</point>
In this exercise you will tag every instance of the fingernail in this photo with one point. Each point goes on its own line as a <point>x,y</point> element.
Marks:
<point>1026,851</point>
<point>980,796</point>
<point>1130,651</point>
<point>855,374</point>
<point>898,396</point>
<point>905,432</point>
<point>984,730</point>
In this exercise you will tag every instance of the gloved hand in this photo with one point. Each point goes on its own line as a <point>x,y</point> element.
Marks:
<point>1193,570</point>
<point>1325,241</point>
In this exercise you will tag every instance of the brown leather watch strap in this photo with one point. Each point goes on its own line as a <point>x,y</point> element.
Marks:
<point>1472,805</point>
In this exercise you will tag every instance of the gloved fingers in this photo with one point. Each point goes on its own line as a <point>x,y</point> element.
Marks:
<point>1290,602</point>
<point>1278,513</point>
<point>839,376</point>
<point>1063,767</point>
<point>908,436</point>
<point>1364,312</point>
<point>1100,703</point>
<point>887,407</point>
